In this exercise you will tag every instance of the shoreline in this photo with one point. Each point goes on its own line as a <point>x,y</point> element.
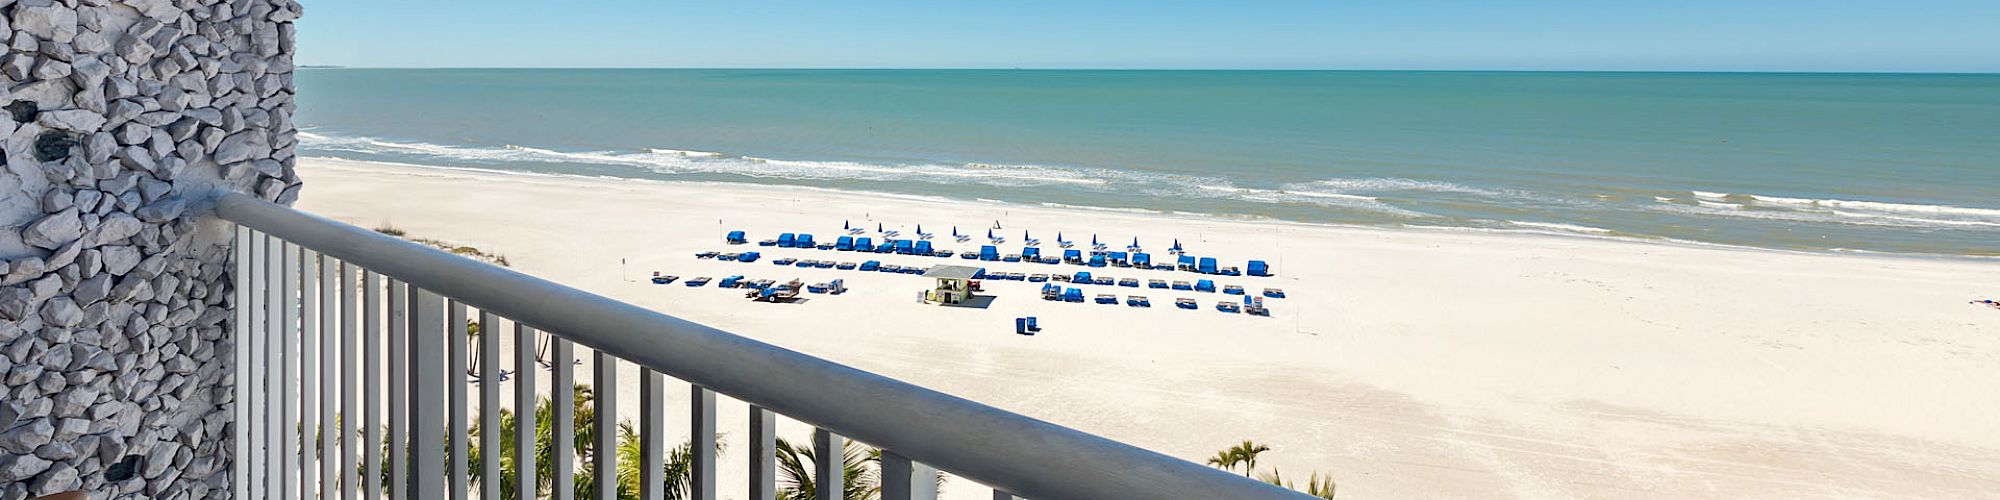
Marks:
<point>1436,364</point>
<point>1192,217</point>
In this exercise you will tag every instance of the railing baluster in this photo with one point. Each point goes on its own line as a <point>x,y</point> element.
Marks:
<point>829,477</point>
<point>399,391</point>
<point>563,396</point>
<point>308,366</point>
<point>350,409</point>
<point>701,444</point>
<point>489,406</point>
<point>606,410</point>
<point>371,384</point>
<point>454,381</point>
<point>240,479</point>
<point>763,454</point>
<point>329,338</point>
<point>274,401</point>
<point>289,378</point>
<point>905,479</point>
<point>427,365</point>
<point>652,433</point>
<point>524,412</point>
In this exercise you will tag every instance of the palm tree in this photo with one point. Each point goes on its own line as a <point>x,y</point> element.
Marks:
<point>678,470</point>
<point>1316,485</point>
<point>1226,459</point>
<point>795,472</point>
<point>1248,452</point>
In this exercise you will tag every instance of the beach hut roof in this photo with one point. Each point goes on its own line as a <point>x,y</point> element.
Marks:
<point>953,272</point>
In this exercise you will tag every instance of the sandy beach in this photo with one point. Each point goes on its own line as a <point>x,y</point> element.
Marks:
<point>1406,363</point>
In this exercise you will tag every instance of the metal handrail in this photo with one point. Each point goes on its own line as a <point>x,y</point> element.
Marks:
<point>1005,450</point>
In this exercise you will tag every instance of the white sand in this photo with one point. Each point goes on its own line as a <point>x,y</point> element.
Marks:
<point>1409,364</point>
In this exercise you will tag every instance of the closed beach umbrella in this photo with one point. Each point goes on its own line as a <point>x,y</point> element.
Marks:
<point>954,230</point>
<point>1059,237</point>
<point>1135,242</point>
<point>846,224</point>
<point>989,234</point>
<point>1093,239</point>
<point>1024,235</point>
<point>920,229</point>
<point>878,227</point>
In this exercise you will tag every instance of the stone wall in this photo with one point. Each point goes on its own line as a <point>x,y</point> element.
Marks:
<point>122,117</point>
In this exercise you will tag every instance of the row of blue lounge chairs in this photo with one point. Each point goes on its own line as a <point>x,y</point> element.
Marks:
<point>991,253</point>
<point>1081,277</point>
<point>1059,293</point>
<point>738,281</point>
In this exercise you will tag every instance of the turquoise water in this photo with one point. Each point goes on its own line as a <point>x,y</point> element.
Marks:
<point>1886,163</point>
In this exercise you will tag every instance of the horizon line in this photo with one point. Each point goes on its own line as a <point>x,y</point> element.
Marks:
<point>1028,68</point>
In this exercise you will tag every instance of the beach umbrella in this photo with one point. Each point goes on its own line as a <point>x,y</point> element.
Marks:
<point>1059,237</point>
<point>1024,235</point>
<point>920,229</point>
<point>846,225</point>
<point>989,234</point>
<point>954,231</point>
<point>878,227</point>
<point>1177,244</point>
<point>1135,242</point>
<point>1093,239</point>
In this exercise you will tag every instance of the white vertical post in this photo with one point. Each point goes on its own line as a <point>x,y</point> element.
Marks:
<point>239,334</point>
<point>350,407</point>
<point>427,365</point>
<point>763,454</point>
<point>399,391</point>
<point>308,426</point>
<point>454,382</point>
<point>489,406</point>
<point>274,345</point>
<point>329,369</point>
<point>606,409</point>
<point>652,434</point>
<point>829,475</point>
<point>524,411</point>
<point>288,356</point>
<point>905,479</point>
<point>371,383</point>
<point>701,444</point>
<point>563,399</point>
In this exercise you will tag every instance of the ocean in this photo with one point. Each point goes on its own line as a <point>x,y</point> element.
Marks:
<point>1889,163</point>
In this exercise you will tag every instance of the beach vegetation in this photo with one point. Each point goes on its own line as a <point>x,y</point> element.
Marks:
<point>1245,455</point>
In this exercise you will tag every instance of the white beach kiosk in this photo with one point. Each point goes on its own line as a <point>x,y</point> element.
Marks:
<point>954,283</point>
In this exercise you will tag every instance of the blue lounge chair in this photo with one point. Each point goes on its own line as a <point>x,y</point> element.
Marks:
<point>845,266</point>
<point>804,263</point>
<point>1032,327</point>
<point>1097,260</point>
<point>730,282</point>
<point>1105,298</point>
<point>1073,295</point>
<point>1129,282</point>
<point>1081,277</point>
<point>871,265</point>
<point>1207,266</point>
<point>1186,304</point>
<point>735,238</point>
<point>1142,260</point>
<point>1204,286</point>
<point>969,256</point>
<point>886,247</point>
<point>1187,263</point>
<point>1275,293</point>
<point>786,240</point>
<point>1235,290</point>
<point>844,244</point>
<point>748,257</point>
<point>924,248</point>
<point>1259,268</point>
<point>1182,285</point>
<point>696,282</point>
<point>1051,292</point>
<point>804,241</point>
<point>989,253</point>
<point>864,244</point>
<point>730,257</point>
<point>1115,256</point>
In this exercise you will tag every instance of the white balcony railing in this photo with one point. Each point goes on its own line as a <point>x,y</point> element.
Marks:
<point>316,300</point>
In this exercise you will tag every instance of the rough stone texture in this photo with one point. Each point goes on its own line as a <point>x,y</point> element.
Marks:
<point>118,119</point>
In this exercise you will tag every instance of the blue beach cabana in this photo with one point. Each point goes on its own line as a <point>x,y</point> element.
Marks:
<point>1207,266</point>
<point>924,248</point>
<point>785,240</point>
<point>803,241</point>
<point>844,243</point>
<point>864,244</point>
<point>735,238</point>
<point>1259,268</point>
<point>1204,286</point>
<point>1142,259</point>
<point>989,252</point>
<point>1186,262</point>
<point>1073,256</point>
<point>905,247</point>
<point>1031,254</point>
<point>1096,260</point>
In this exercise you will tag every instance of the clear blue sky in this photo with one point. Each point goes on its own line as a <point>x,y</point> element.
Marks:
<point>1731,35</point>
